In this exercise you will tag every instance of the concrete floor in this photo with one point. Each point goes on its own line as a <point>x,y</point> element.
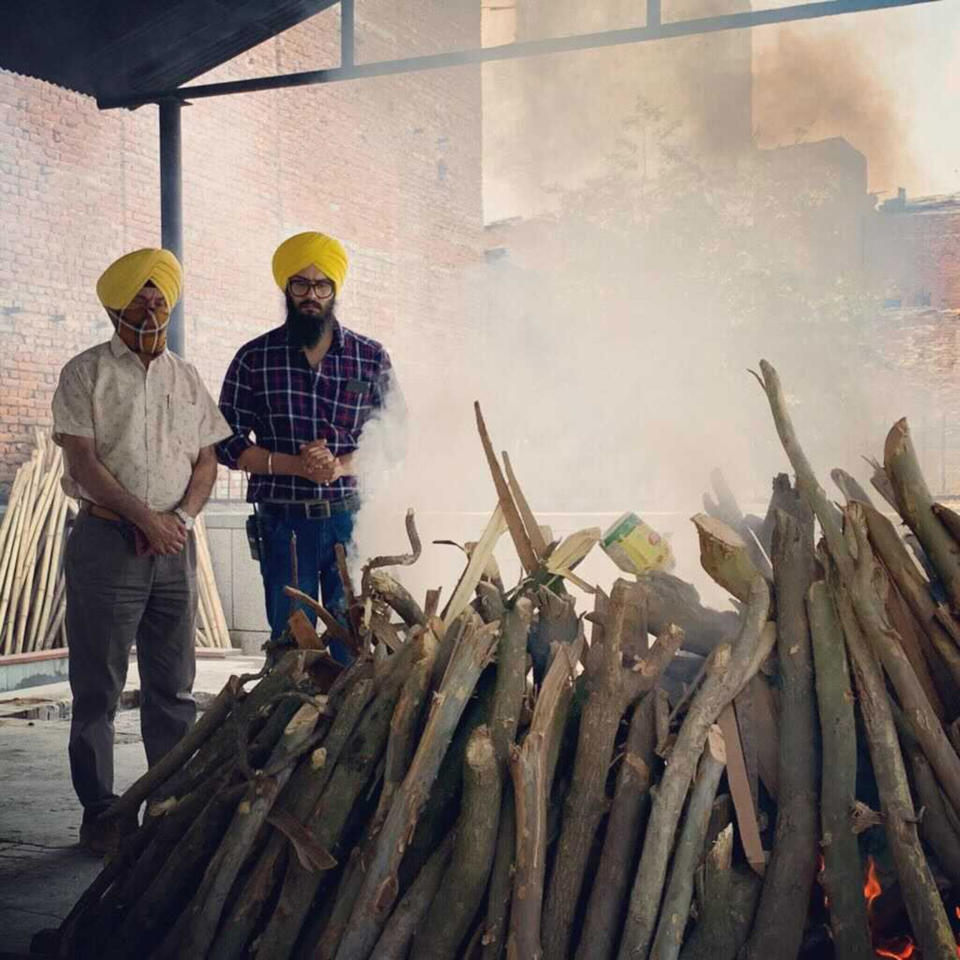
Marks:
<point>42,871</point>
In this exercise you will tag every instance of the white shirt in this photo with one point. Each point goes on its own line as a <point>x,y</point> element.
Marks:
<point>149,424</point>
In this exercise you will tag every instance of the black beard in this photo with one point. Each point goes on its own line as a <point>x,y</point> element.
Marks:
<point>306,329</point>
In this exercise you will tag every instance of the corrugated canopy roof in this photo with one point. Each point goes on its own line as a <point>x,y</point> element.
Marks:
<point>122,47</point>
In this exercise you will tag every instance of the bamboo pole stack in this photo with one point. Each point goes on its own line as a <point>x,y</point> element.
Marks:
<point>211,623</point>
<point>507,778</point>
<point>32,596</point>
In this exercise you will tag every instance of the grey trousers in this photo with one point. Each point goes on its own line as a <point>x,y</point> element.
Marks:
<point>115,597</point>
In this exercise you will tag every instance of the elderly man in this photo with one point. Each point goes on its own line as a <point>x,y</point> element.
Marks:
<point>137,427</point>
<point>305,390</point>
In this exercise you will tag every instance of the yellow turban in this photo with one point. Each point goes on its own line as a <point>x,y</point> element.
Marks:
<point>302,250</point>
<point>124,278</point>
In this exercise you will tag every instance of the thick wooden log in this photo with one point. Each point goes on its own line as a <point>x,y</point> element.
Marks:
<point>729,667</point>
<point>530,767</point>
<point>511,679</point>
<point>888,645</point>
<point>727,897</point>
<point>777,932</point>
<point>928,919</point>
<point>937,687</point>
<point>724,555</point>
<point>915,590</point>
<point>394,942</point>
<point>842,876</point>
<point>686,858</point>
<point>628,816</point>
<point>915,505</point>
<point>935,827</point>
<point>673,601</point>
<point>385,586</point>
<point>849,486</point>
<point>404,726</point>
<point>500,891</point>
<point>489,602</point>
<point>556,623</point>
<point>379,891</point>
<point>611,688</point>
<point>448,921</point>
<point>949,518</point>
<point>728,510</point>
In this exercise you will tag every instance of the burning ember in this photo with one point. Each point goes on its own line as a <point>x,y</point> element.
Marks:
<point>896,948</point>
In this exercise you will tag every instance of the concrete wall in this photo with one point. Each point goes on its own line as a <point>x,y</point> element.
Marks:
<point>391,166</point>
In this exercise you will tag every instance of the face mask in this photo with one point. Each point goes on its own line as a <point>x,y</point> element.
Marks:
<point>143,330</point>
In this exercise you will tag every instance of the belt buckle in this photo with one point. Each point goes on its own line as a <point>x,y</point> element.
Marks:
<point>318,511</point>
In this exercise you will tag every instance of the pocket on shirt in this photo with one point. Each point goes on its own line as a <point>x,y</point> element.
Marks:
<point>354,404</point>
<point>184,424</point>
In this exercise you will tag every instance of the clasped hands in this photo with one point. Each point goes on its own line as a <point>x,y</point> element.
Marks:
<point>164,535</point>
<point>318,462</point>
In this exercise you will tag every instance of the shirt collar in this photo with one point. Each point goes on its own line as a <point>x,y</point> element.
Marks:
<point>118,348</point>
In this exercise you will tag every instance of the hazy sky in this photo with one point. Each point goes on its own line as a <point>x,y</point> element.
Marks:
<point>887,80</point>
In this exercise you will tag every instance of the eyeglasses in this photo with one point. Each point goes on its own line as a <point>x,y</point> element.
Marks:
<point>300,287</point>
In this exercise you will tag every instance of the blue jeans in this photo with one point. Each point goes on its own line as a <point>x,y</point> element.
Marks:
<point>316,565</point>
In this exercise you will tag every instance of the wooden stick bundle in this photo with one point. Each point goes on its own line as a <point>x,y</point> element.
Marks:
<point>490,785</point>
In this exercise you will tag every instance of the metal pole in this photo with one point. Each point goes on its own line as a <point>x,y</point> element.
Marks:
<point>346,33</point>
<point>171,204</point>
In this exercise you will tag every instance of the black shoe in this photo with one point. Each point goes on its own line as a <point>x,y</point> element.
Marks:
<point>101,836</point>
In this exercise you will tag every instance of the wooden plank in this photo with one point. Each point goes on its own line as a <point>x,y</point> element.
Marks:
<point>740,791</point>
<point>510,513</point>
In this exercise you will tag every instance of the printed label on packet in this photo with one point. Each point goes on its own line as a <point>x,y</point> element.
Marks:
<point>635,547</point>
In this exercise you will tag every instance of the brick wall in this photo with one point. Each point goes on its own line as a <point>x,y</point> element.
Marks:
<point>391,166</point>
<point>914,249</point>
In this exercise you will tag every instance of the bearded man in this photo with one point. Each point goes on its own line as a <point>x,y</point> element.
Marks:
<point>137,427</point>
<point>305,390</point>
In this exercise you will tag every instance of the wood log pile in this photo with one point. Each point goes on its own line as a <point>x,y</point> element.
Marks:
<point>507,777</point>
<point>33,534</point>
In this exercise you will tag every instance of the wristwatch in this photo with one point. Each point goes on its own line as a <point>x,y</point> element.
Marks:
<point>185,518</point>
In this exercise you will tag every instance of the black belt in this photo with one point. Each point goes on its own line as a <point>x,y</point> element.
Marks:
<point>312,509</point>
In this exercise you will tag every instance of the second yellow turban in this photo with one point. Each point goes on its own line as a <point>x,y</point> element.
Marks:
<point>302,250</point>
<point>124,278</point>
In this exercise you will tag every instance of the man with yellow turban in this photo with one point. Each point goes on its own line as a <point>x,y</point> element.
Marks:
<point>137,427</point>
<point>305,391</point>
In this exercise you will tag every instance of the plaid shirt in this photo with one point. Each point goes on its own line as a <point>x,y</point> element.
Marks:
<point>271,390</point>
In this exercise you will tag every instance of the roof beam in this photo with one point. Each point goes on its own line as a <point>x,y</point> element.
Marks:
<point>654,30</point>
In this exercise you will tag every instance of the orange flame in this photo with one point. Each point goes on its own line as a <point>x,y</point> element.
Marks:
<point>900,948</point>
<point>872,888</point>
